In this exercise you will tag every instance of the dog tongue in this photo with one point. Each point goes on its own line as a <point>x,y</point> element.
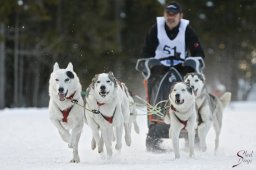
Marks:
<point>61,96</point>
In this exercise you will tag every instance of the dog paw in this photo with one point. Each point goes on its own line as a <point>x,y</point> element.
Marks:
<point>192,155</point>
<point>128,140</point>
<point>177,156</point>
<point>75,160</point>
<point>102,156</point>
<point>93,144</point>
<point>136,128</point>
<point>118,147</point>
<point>70,145</point>
<point>100,150</point>
<point>203,149</point>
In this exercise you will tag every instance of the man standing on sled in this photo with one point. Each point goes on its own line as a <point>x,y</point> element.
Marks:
<point>170,37</point>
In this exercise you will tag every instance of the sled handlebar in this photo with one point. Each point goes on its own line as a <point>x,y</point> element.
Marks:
<point>171,58</point>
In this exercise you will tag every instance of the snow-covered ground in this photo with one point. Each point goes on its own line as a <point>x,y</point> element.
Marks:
<point>29,141</point>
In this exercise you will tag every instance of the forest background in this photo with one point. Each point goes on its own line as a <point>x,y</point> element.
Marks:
<point>100,36</point>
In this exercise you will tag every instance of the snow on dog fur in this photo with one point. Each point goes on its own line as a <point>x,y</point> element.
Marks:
<point>107,108</point>
<point>209,108</point>
<point>68,118</point>
<point>182,114</point>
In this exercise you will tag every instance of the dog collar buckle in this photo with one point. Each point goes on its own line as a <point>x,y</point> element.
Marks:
<point>95,111</point>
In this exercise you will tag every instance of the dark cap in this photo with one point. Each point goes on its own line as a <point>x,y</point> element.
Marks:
<point>173,7</point>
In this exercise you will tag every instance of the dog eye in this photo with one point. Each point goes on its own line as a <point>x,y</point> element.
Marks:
<point>98,82</point>
<point>67,80</point>
<point>196,80</point>
<point>56,79</point>
<point>108,81</point>
<point>183,90</point>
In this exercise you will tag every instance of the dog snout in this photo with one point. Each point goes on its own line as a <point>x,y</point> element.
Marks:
<point>102,88</point>
<point>177,96</point>
<point>61,90</point>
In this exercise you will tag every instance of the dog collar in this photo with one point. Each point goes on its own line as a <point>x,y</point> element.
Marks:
<point>100,104</point>
<point>71,96</point>
<point>174,109</point>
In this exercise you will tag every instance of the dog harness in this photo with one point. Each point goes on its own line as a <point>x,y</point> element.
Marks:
<point>184,122</point>
<point>65,114</point>
<point>108,119</point>
<point>71,96</point>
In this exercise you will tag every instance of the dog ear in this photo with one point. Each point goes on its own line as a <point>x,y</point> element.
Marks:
<point>112,78</point>
<point>185,77</point>
<point>172,87</point>
<point>70,66</point>
<point>201,77</point>
<point>189,88</point>
<point>56,67</point>
<point>94,79</point>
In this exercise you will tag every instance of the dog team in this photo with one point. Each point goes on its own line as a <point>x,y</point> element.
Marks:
<point>108,108</point>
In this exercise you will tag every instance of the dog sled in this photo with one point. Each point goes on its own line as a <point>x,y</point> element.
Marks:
<point>157,84</point>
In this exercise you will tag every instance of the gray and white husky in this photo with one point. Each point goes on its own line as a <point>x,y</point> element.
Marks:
<point>209,108</point>
<point>107,109</point>
<point>182,115</point>
<point>68,118</point>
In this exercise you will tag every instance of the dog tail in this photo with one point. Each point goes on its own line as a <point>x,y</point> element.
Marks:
<point>225,99</point>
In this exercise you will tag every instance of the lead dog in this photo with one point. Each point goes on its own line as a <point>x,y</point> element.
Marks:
<point>68,118</point>
<point>209,107</point>
<point>182,114</point>
<point>107,108</point>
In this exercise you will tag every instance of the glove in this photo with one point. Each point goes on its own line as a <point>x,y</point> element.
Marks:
<point>197,63</point>
<point>144,65</point>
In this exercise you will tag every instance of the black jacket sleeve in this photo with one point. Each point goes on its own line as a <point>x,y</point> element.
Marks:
<point>193,44</point>
<point>150,43</point>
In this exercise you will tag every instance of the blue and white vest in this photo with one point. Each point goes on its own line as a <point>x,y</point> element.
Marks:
<point>167,47</point>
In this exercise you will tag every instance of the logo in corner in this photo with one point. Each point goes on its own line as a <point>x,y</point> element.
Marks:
<point>244,156</point>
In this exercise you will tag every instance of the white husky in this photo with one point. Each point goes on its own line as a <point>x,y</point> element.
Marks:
<point>209,107</point>
<point>107,107</point>
<point>182,114</point>
<point>64,87</point>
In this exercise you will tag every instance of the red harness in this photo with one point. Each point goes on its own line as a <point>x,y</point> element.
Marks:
<point>184,122</point>
<point>65,114</point>
<point>109,119</point>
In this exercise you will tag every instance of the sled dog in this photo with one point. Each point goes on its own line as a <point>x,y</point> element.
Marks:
<point>107,109</point>
<point>182,114</point>
<point>132,107</point>
<point>68,118</point>
<point>209,108</point>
